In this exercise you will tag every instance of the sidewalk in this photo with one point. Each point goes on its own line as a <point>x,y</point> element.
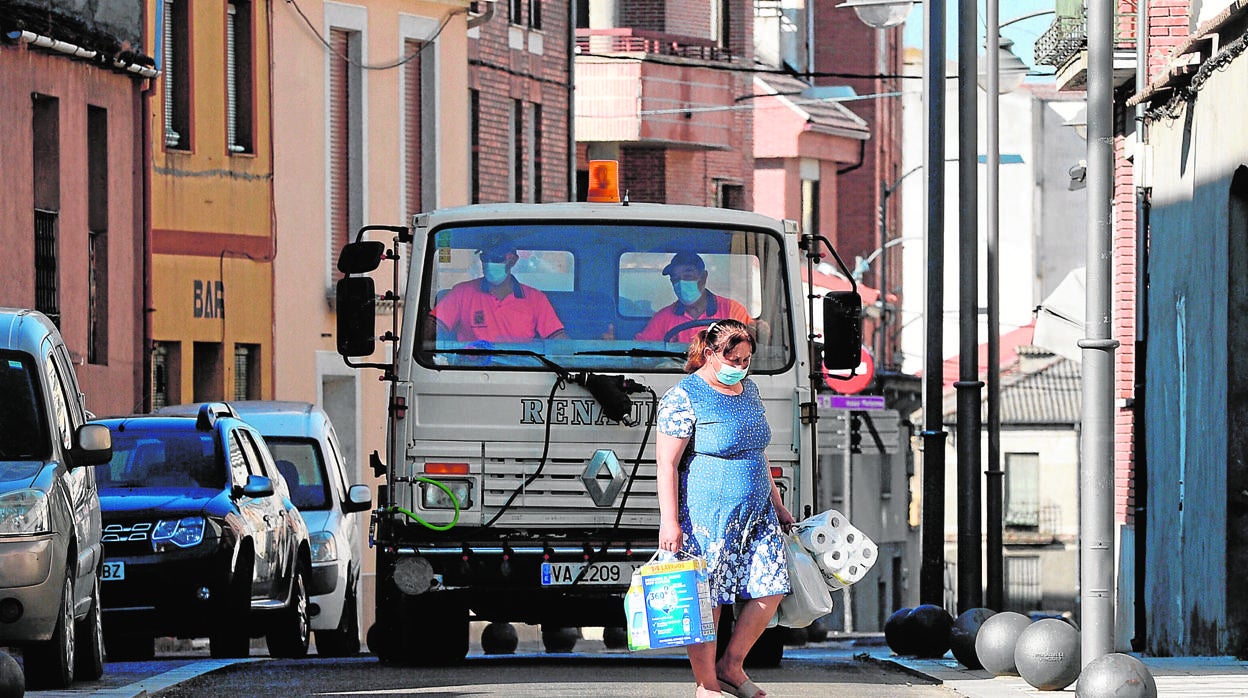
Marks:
<point>1190,677</point>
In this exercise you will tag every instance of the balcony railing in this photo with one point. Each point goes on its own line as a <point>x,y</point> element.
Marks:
<point>629,40</point>
<point>1067,36</point>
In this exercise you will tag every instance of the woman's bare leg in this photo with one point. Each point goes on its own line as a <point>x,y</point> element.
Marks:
<point>755,616</point>
<point>702,659</point>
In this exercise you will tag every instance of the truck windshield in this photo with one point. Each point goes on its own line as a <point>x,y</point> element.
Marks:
<point>597,296</point>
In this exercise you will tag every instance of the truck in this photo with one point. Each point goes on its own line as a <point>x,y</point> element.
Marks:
<point>519,480</point>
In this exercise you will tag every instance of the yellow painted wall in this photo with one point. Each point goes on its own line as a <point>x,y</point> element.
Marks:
<point>212,210</point>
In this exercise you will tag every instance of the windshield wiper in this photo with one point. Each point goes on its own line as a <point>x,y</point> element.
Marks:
<point>649,353</point>
<point>559,370</point>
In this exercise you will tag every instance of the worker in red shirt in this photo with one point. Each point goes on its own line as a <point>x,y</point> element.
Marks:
<point>687,272</point>
<point>495,307</point>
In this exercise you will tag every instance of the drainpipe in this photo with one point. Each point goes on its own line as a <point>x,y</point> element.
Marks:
<point>572,101</point>
<point>1139,446</point>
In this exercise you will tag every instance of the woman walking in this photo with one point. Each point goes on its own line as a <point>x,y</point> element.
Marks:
<point>717,498</point>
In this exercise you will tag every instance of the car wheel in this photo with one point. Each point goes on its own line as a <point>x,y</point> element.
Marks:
<point>231,634</point>
<point>289,636</point>
<point>50,664</point>
<point>90,634</point>
<point>344,641</point>
<point>129,648</point>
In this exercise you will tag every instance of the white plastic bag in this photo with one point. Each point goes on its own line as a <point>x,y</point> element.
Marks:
<point>810,599</point>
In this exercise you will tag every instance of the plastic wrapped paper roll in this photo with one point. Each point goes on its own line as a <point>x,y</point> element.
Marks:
<point>831,518</point>
<point>819,539</point>
<point>833,560</point>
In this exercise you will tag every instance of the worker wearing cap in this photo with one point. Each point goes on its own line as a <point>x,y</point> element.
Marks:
<point>496,307</point>
<point>687,272</point>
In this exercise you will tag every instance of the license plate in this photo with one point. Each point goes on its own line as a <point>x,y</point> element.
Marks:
<point>113,571</point>
<point>557,573</point>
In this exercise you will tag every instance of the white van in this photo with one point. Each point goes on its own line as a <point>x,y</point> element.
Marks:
<point>305,447</point>
<point>50,551</point>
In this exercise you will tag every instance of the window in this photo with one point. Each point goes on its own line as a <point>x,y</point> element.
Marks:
<point>582,14</point>
<point>731,196</point>
<point>535,14</point>
<point>517,145</point>
<point>1022,490</point>
<point>644,289</point>
<point>345,140</point>
<point>166,374</point>
<point>246,371</point>
<point>238,462</point>
<point>46,136</point>
<point>537,153</point>
<point>413,102</point>
<point>239,90</point>
<point>474,106</point>
<point>1023,589</point>
<point>722,26</point>
<point>176,74</point>
<point>97,235</point>
<point>517,7</point>
<point>60,404</point>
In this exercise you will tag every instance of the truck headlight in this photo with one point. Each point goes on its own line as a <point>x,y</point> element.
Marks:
<point>184,533</point>
<point>324,547</point>
<point>434,497</point>
<point>24,512</point>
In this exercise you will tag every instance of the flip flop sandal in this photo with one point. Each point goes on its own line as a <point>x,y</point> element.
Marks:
<point>747,689</point>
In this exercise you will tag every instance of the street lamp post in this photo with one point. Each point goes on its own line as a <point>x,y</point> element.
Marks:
<point>932,567</point>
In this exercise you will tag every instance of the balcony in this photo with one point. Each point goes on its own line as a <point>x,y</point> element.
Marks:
<point>1064,45</point>
<point>652,88</point>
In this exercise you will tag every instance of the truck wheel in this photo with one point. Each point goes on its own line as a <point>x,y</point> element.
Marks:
<point>343,641</point>
<point>129,648</point>
<point>231,633</point>
<point>434,630</point>
<point>768,650</point>
<point>383,641</point>
<point>288,637</point>
<point>499,638</point>
<point>615,637</point>
<point>90,634</point>
<point>560,640</point>
<point>50,664</point>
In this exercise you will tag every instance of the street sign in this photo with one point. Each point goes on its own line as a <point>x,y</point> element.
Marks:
<point>845,384</point>
<point>850,402</point>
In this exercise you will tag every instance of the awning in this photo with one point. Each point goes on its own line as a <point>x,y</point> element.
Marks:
<point>1060,320</point>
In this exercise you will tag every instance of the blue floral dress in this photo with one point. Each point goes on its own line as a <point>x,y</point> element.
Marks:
<point>724,498</point>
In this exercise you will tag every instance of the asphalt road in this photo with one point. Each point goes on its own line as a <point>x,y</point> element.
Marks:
<point>834,668</point>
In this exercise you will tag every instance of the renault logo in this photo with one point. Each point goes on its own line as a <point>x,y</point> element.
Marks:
<point>603,469</point>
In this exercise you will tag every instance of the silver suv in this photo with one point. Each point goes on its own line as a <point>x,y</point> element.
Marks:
<point>307,453</point>
<point>50,553</point>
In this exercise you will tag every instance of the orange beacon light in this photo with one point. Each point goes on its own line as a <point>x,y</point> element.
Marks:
<point>604,182</point>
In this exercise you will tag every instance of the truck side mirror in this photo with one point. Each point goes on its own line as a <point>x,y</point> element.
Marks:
<point>357,316</point>
<point>361,257</point>
<point>842,330</point>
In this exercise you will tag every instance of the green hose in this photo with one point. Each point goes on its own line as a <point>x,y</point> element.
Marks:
<point>436,527</point>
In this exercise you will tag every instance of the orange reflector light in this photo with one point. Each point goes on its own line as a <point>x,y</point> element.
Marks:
<point>446,468</point>
<point>776,471</point>
<point>604,182</point>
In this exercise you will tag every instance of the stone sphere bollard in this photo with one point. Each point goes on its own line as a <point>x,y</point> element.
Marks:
<point>962,635</point>
<point>12,680</point>
<point>499,638</point>
<point>1047,654</point>
<point>1117,675</point>
<point>896,633</point>
<point>930,625</point>
<point>994,645</point>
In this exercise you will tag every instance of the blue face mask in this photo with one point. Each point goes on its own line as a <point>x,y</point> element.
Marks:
<point>687,291</point>
<point>495,272</point>
<point>730,375</point>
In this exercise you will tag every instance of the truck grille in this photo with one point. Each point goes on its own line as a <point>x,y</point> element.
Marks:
<point>569,486</point>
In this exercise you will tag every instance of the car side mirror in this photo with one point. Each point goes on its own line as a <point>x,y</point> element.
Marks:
<point>258,486</point>
<point>357,316</point>
<point>94,446</point>
<point>842,330</point>
<point>359,498</point>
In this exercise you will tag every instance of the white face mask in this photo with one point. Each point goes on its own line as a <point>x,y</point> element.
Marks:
<point>495,272</point>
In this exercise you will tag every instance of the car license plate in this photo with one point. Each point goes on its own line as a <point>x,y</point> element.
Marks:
<point>113,571</point>
<point>557,573</point>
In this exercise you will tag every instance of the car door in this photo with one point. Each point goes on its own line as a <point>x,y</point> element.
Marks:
<point>81,495</point>
<point>284,543</point>
<point>259,516</point>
